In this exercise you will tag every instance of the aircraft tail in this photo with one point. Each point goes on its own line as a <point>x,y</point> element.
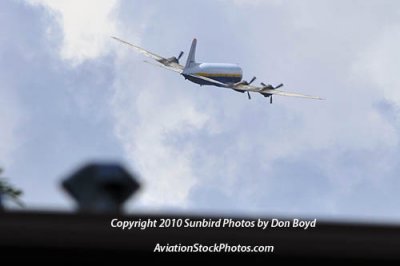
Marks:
<point>191,57</point>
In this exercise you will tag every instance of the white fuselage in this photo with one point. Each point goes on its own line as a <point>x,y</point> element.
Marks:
<point>225,73</point>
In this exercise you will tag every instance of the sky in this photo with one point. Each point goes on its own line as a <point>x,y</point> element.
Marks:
<point>69,94</point>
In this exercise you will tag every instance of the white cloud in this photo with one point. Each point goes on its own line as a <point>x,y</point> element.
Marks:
<point>86,25</point>
<point>176,140</point>
<point>144,129</point>
<point>10,123</point>
<point>379,63</point>
<point>250,133</point>
<point>147,122</point>
<point>242,3</point>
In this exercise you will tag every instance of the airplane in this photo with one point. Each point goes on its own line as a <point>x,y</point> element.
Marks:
<point>214,74</point>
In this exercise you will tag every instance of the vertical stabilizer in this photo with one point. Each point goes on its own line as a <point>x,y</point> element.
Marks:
<point>191,57</point>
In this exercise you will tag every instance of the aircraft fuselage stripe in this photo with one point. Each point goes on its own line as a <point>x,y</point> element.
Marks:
<point>212,75</point>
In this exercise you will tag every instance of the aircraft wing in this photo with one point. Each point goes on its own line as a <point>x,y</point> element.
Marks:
<point>262,90</point>
<point>290,94</point>
<point>169,67</point>
<point>167,63</point>
<point>266,91</point>
<point>213,81</point>
<point>244,88</point>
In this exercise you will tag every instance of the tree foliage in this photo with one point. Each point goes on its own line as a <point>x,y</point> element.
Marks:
<point>8,191</point>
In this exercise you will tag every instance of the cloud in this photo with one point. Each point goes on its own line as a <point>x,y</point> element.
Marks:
<point>10,124</point>
<point>151,123</point>
<point>246,3</point>
<point>86,26</point>
<point>144,133</point>
<point>186,141</point>
<point>379,61</point>
<point>210,148</point>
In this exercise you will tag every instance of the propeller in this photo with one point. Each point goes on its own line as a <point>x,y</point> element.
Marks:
<point>248,83</point>
<point>244,82</point>
<point>251,81</point>
<point>271,88</point>
<point>180,55</point>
